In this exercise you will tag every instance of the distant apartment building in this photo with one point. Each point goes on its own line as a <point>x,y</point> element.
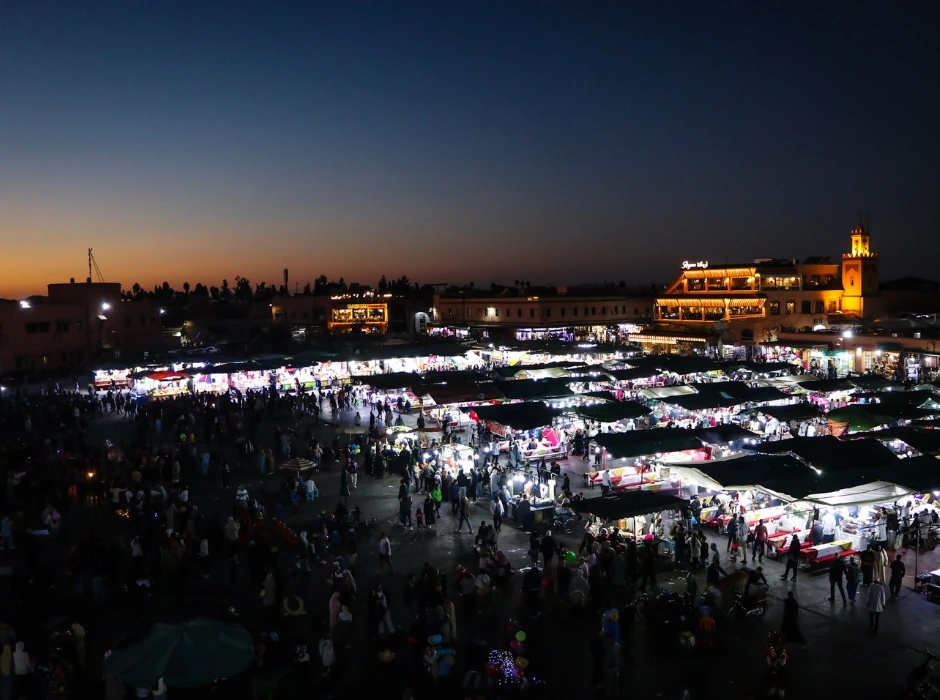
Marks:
<point>75,325</point>
<point>519,314</point>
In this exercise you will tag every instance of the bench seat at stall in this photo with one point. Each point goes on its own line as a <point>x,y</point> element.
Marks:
<point>812,561</point>
<point>784,549</point>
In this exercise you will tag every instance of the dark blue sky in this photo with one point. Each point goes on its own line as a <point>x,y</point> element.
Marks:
<point>557,142</point>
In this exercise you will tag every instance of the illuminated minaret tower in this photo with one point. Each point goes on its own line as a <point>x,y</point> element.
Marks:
<point>859,273</point>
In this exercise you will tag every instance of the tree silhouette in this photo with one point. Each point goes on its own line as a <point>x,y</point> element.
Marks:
<point>136,289</point>
<point>307,289</point>
<point>225,292</point>
<point>214,293</point>
<point>186,288</point>
<point>320,284</point>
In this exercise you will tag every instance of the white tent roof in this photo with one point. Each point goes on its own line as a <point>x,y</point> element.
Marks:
<point>663,392</point>
<point>866,494</point>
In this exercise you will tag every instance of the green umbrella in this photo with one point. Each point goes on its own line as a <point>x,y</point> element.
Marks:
<point>186,655</point>
<point>860,418</point>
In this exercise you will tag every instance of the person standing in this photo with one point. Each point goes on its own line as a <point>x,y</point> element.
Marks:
<point>881,563</point>
<point>868,565</point>
<point>793,557</point>
<point>791,625</point>
<point>732,533</point>
<point>897,577</point>
<point>743,533</point>
<point>463,512</point>
<point>881,529</point>
<point>836,574</point>
<point>853,576</point>
<point>760,541</point>
<point>876,604</point>
<point>497,514</point>
<point>385,552</point>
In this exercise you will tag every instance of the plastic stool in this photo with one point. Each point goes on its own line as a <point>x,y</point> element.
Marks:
<point>313,495</point>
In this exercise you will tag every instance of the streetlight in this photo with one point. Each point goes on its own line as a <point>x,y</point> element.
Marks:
<point>105,306</point>
<point>162,311</point>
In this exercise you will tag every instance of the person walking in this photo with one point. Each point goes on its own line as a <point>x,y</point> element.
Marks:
<point>876,604</point>
<point>836,574</point>
<point>463,512</point>
<point>497,514</point>
<point>791,625</point>
<point>732,533</point>
<point>897,577</point>
<point>793,557</point>
<point>385,552</point>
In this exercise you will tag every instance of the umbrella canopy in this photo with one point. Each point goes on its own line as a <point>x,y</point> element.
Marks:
<point>298,464</point>
<point>187,655</point>
<point>861,417</point>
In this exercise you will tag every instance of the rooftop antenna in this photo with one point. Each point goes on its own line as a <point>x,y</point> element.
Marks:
<point>93,265</point>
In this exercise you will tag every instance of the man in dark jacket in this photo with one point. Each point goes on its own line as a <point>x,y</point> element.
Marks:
<point>793,557</point>
<point>548,547</point>
<point>836,574</point>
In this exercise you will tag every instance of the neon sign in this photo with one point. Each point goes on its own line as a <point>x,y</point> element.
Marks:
<point>700,265</point>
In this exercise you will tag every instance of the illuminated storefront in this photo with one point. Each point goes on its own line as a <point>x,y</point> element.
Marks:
<point>371,318</point>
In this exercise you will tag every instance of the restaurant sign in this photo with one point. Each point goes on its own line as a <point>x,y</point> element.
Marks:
<point>692,265</point>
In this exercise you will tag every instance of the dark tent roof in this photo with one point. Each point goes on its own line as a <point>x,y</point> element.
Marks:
<point>639,443</point>
<point>919,474</point>
<point>598,371</point>
<point>828,453</point>
<point>614,411</point>
<point>740,390</point>
<point>779,473</point>
<point>234,367</point>
<point>606,395</point>
<point>700,402</point>
<point>913,399</point>
<point>393,380</point>
<point>628,504</point>
<point>626,375</point>
<point>723,434</point>
<point>678,364</point>
<point>795,411</point>
<point>535,389</point>
<point>925,441</point>
<point>520,416</point>
<point>827,385</point>
<point>458,392</point>
<point>758,367</point>
<point>870,382</point>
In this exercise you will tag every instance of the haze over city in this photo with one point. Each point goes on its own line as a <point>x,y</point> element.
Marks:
<point>553,141</point>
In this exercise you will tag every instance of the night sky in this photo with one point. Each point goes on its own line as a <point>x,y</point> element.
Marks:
<point>556,142</point>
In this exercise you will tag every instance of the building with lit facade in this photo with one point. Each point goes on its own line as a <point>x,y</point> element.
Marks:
<point>753,301</point>
<point>558,313</point>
